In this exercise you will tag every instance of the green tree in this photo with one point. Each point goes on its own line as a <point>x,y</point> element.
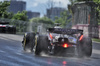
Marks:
<point>98,9</point>
<point>20,16</point>
<point>64,19</point>
<point>44,20</point>
<point>3,8</point>
<point>83,0</point>
<point>61,21</point>
<point>8,15</point>
<point>73,1</point>
<point>35,20</point>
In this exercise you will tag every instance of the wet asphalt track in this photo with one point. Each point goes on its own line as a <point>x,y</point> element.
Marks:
<point>12,54</point>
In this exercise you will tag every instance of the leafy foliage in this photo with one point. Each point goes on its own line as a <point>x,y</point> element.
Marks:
<point>98,9</point>
<point>4,14</point>
<point>73,1</point>
<point>44,20</point>
<point>83,0</point>
<point>64,19</point>
<point>20,16</point>
<point>8,15</point>
<point>3,8</point>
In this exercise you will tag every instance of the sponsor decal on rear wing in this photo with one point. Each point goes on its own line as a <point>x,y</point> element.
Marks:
<point>65,31</point>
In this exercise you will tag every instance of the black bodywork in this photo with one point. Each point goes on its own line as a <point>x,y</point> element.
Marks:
<point>65,31</point>
<point>6,28</point>
<point>57,47</point>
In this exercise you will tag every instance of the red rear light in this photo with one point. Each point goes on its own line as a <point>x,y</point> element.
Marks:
<point>81,37</point>
<point>50,36</point>
<point>65,45</point>
<point>64,63</point>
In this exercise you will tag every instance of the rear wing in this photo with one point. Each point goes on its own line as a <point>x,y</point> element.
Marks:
<point>65,31</point>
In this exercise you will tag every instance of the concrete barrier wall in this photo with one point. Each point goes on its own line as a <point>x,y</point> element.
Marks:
<point>99,31</point>
<point>93,31</point>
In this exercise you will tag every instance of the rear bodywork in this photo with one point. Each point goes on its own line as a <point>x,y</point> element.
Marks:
<point>62,39</point>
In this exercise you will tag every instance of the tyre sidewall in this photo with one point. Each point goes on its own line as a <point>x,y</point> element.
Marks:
<point>84,47</point>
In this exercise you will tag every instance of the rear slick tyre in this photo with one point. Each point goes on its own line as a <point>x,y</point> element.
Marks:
<point>29,41</point>
<point>42,45</point>
<point>85,47</point>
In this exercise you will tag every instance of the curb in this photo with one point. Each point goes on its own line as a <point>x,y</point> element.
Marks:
<point>96,42</point>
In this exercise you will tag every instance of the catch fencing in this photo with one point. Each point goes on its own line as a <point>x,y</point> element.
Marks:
<point>27,26</point>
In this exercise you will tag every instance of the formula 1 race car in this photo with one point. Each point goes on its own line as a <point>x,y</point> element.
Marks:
<point>58,40</point>
<point>6,28</point>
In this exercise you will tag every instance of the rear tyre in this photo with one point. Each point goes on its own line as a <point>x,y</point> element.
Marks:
<point>42,44</point>
<point>29,41</point>
<point>85,47</point>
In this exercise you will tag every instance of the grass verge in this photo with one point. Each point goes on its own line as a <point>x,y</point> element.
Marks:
<point>97,40</point>
<point>20,33</point>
